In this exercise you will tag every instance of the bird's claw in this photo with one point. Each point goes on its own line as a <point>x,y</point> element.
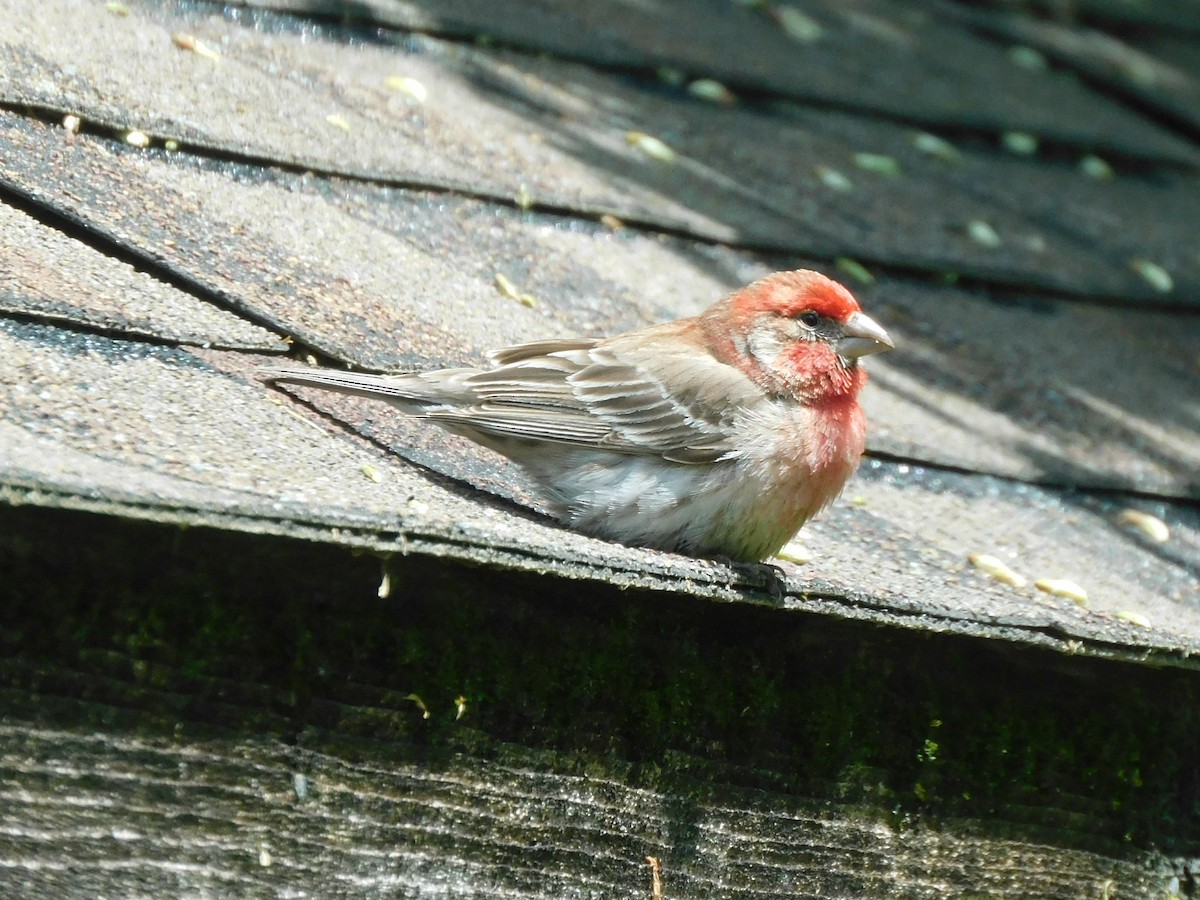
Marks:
<point>763,576</point>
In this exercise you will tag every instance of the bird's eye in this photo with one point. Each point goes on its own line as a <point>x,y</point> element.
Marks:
<point>809,318</point>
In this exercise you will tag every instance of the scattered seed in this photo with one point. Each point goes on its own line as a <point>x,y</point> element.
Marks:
<point>385,584</point>
<point>877,163</point>
<point>372,473</point>
<point>415,698</point>
<point>1153,528</point>
<point>797,25</point>
<point>1027,58</point>
<point>983,234</point>
<point>992,566</point>
<point>1158,277</point>
<point>670,75</point>
<point>171,145</point>
<point>608,220</point>
<point>506,287</point>
<point>338,121</point>
<point>1133,618</point>
<point>300,785</point>
<point>1094,167</point>
<point>1019,142</point>
<point>713,91</point>
<point>651,146</point>
<point>656,888</point>
<point>264,856</point>
<point>1061,587</point>
<point>936,146</point>
<point>834,179</point>
<point>71,123</point>
<point>402,84</point>
<point>116,8</point>
<point>794,552</point>
<point>855,269</point>
<point>460,704</point>
<point>1140,71</point>
<point>523,198</point>
<point>185,41</point>
<point>137,139</point>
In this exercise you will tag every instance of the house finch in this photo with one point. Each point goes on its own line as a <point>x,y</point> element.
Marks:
<point>715,435</point>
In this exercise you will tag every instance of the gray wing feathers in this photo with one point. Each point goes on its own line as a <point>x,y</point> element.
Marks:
<point>570,428</point>
<point>534,349</point>
<point>582,393</point>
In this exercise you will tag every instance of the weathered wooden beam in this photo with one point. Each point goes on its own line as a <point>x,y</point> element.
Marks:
<point>194,711</point>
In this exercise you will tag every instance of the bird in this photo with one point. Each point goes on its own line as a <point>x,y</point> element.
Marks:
<point>716,435</point>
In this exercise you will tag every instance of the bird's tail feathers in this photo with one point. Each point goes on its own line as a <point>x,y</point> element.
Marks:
<point>409,392</point>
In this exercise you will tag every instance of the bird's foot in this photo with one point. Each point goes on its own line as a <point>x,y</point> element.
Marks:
<point>763,576</point>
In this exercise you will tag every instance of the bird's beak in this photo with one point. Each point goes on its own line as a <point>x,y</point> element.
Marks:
<point>862,336</point>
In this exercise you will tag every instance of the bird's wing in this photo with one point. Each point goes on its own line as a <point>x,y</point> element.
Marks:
<point>535,349</point>
<point>619,394</point>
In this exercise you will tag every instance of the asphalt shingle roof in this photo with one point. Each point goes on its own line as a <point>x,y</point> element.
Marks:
<point>1022,223</point>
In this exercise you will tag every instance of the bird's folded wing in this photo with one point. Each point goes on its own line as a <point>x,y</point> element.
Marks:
<point>534,349</point>
<point>606,395</point>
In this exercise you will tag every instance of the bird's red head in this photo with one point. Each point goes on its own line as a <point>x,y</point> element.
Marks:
<point>796,333</point>
<point>788,294</point>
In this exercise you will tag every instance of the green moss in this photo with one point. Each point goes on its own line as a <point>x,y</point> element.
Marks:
<point>197,629</point>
